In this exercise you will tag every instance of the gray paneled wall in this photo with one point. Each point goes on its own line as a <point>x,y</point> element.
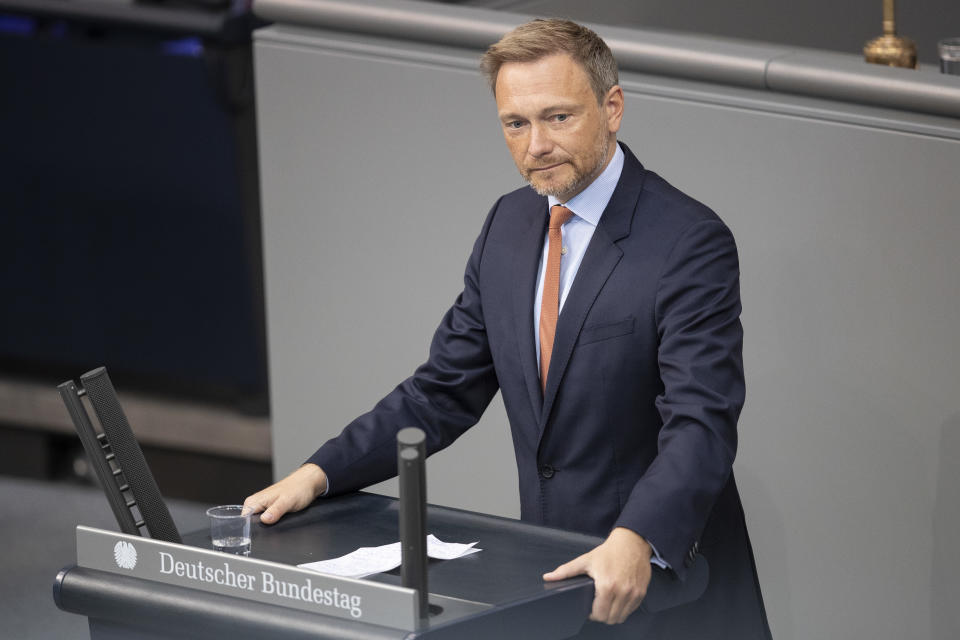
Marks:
<point>379,161</point>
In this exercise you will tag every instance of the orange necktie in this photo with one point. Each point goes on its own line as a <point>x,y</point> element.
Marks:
<point>550,302</point>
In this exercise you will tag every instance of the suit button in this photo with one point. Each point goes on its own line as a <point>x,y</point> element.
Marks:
<point>546,471</point>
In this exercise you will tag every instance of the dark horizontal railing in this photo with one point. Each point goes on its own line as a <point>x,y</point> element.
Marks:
<point>201,19</point>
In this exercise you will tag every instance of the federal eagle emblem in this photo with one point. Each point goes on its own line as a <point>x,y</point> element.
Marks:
<point>125,555</point>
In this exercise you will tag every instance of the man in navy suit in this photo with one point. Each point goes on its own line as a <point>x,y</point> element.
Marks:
<point>624,424</point>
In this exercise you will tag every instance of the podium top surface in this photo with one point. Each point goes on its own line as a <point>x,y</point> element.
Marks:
<point>510,568</point>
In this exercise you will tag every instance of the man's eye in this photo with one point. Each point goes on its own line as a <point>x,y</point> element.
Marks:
<point>561,117</point>
<point>515,124</point>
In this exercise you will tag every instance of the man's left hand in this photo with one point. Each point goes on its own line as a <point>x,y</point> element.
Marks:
<point>620,568</point>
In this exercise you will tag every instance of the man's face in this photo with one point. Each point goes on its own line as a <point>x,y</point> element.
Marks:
<point>559,136</point>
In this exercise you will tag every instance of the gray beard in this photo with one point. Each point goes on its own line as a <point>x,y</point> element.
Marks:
<point>580,180</point>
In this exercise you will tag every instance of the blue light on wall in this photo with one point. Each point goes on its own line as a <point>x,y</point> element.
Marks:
<point>190,47</point>
<point>18,25</point>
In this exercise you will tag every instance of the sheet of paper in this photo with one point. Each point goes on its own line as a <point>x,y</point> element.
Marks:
<point>448,550</point>
<point>367,561</point>
<point>363,562</point>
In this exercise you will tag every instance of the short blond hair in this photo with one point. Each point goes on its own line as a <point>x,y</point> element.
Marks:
<point>544,37</point>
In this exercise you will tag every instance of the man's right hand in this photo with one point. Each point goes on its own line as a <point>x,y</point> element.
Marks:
<point>293,493</point>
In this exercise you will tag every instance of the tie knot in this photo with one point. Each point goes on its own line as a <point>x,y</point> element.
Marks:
<point>559,215</point>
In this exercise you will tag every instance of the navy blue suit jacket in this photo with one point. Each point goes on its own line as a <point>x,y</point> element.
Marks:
<point>637,426</point>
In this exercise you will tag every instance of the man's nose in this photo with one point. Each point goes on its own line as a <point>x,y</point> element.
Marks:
<point>540,142</point>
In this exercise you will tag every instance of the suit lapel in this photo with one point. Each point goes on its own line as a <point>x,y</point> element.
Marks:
<point>598,263</point>
<point>525,270</point>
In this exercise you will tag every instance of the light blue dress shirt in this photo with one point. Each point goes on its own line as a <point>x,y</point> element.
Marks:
<point>587,207</point>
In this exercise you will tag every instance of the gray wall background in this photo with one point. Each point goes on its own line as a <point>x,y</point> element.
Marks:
<point>380,160</point>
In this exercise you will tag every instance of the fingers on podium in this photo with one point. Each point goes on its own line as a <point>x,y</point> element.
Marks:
<point>265,505</point>
<point>575,567</point>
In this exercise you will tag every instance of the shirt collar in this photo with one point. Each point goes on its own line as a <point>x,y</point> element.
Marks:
<point>590,203</point>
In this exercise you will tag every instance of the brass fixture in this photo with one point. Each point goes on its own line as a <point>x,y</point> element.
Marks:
<point>891,49</point>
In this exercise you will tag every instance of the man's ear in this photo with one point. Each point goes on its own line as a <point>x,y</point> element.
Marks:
<point>613,108</point>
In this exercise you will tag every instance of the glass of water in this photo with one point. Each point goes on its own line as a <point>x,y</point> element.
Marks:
<point>949,51</point>
<point>230,529</point>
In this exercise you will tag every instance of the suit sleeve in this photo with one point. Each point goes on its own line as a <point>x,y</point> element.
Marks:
<point>445,396</point>
<point>701,367</point>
